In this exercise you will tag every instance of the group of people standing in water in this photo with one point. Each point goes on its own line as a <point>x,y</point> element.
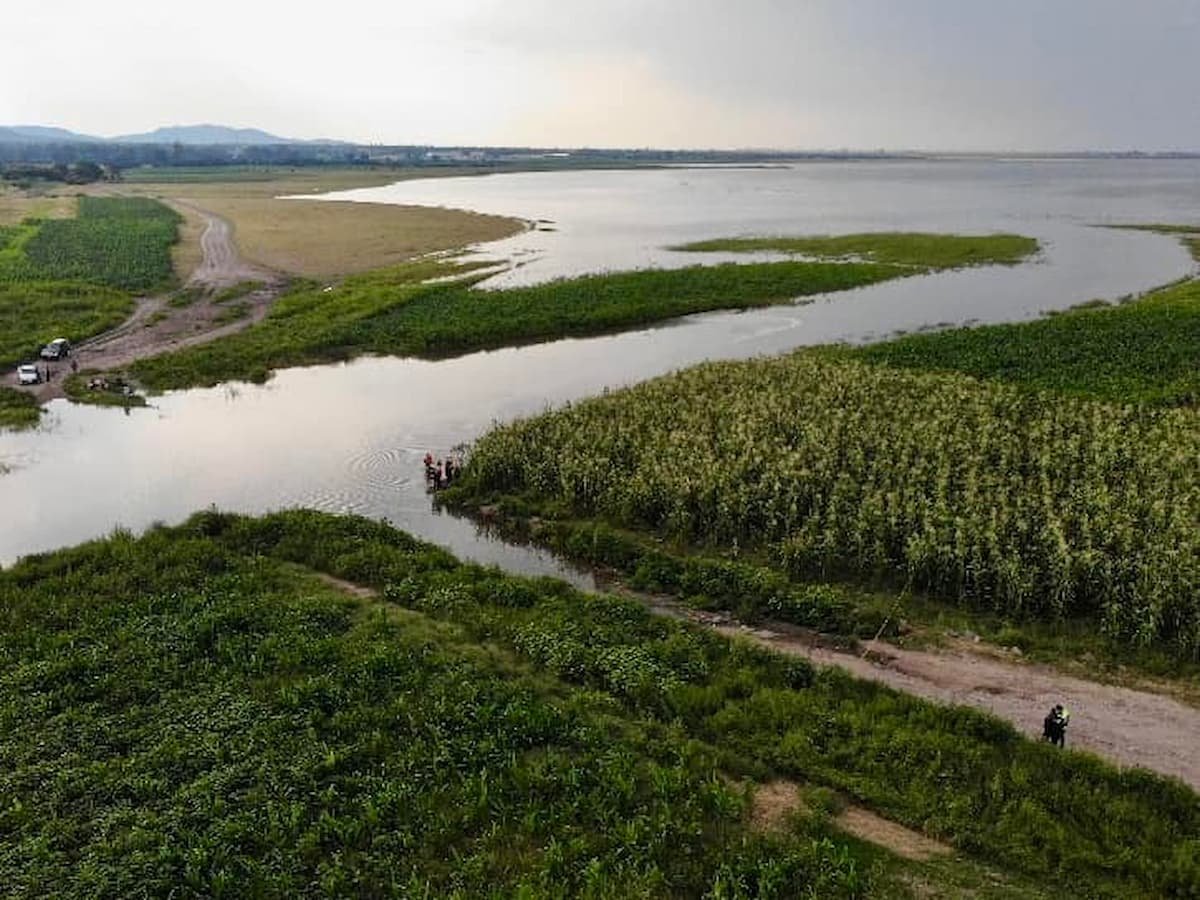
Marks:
<point>440,473</point>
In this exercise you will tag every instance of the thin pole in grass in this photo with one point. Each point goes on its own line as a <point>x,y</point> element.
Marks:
<point>891,612</point>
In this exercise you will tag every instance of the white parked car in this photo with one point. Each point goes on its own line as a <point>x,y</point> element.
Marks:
<point>28,375</point>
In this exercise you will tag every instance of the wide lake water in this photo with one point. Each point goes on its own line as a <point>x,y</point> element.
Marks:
<point>349,437</point>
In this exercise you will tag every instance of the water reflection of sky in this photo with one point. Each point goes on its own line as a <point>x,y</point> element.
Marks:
<point>349,437</point>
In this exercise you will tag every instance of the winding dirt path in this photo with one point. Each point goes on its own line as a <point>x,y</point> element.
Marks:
<point>1125,726</point>
<point>157,326</point>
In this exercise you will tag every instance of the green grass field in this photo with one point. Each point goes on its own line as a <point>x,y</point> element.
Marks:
<point>195,711</point>
<point>17,410</point>
<point>926,251</point>
<point>33,313</point>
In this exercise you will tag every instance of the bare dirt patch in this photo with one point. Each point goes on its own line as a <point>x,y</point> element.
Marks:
<point>347,587</point>
<point>773,804</point>
<point>16,207</point>
<point>187,254</point>
<point>904,842</point>
<point>777,801</point>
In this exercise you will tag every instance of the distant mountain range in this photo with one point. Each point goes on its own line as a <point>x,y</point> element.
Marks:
<point>172,134</point>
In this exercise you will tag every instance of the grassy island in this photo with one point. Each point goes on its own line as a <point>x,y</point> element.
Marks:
<point>898,248</point>
<point>395,311</point>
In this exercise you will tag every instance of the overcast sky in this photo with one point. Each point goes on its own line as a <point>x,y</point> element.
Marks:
<point>919,74</point>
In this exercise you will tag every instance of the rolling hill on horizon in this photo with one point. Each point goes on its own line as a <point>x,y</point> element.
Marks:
<point>168,134</point>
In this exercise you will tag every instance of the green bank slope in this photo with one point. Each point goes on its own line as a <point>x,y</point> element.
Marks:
<point>193,711</point>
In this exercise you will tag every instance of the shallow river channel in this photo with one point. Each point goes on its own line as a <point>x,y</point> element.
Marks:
<point>349,437</point>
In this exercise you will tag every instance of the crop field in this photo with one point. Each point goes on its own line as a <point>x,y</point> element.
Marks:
<point>71,277</point>
<point>1032,504</point>
<point>193,710</point>
<point>1147,350</point>
<point>392,311</point>
<point>242,729</point>
<point>122,243</point>
<point>928,251</point>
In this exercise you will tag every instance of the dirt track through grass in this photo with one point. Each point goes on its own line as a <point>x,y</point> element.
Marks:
<point>156,324</point>
<point>1125,726</point>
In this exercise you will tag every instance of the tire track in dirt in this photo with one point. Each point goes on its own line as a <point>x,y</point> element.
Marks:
<point>156,326</point>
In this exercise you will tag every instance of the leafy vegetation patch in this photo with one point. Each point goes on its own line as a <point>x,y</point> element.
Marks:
<point>1145,351</point>
<point>18,409</point>
<point>237,291</point>
<point>186,710</point>
<point>31,314</point>
<point>1025,503</point>
<point>394,312</point>
<point>71,277</point>
<point>929,251</point>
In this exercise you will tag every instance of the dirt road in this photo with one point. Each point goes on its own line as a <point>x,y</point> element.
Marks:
<point>221,266</point>
<point>158,325</point>
<point>1125,726</point>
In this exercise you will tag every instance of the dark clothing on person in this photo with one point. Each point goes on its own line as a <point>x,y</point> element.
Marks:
<point>1054,728</point>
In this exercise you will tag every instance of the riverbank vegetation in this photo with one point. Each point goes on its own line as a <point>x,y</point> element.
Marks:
<point>397,311</point>
<point>193,709</point>
<point>899,248</point>
<point>33,313</point>
<point>1008,537</point>
<point>17,410</point>
<point>1028,504</point>
<point>392,312</point>
<point>1143,351</point>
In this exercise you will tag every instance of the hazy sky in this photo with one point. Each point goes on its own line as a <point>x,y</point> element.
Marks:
<point>923,74</point>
